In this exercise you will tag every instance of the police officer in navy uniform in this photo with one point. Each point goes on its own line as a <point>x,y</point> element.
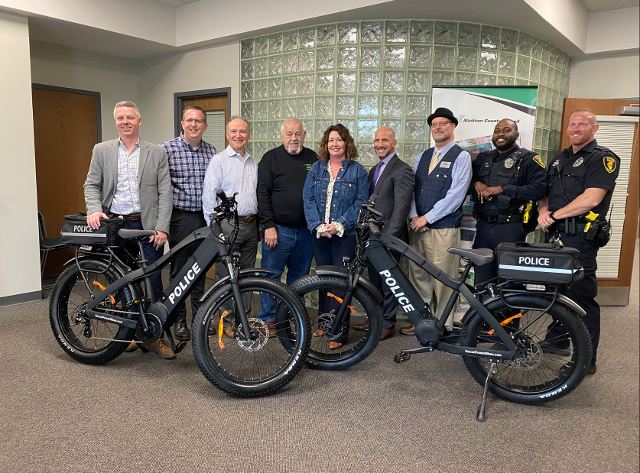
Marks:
<point>504,181</point>
<point>581,180</point>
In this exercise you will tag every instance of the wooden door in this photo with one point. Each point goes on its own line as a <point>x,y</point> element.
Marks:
<point>213,103</point>
<point>65,130</point>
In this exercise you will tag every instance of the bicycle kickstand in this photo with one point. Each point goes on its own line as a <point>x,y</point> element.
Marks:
<point>493,370</point>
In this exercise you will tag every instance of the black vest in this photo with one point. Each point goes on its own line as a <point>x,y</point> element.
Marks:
<point>501,173</point>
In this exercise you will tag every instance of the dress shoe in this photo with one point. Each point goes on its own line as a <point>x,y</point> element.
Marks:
<point>334,345</point>
<point>133,346</point>
<point>592,369</point>
<point>228,331</point>
<point>180,331</point>
<point>387,333</point>
<point>408,330</point>
<point>361,327</point>
<point>163,349</point>
<point>271,327</point>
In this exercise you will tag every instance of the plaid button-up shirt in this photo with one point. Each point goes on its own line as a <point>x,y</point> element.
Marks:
<point>187,166</point>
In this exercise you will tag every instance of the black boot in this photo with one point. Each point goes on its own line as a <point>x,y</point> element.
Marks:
<point>180,330</point>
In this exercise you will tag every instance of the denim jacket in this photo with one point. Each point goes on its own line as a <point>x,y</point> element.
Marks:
<point>349,190</point>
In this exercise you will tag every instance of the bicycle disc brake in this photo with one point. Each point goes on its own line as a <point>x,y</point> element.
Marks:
<point>262,331</point>
<point>325,324</point>
<point>528,354</point>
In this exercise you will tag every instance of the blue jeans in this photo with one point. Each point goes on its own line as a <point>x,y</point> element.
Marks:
<point>294,251</point>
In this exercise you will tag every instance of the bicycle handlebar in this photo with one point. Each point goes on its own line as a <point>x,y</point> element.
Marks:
<point>227,210</point>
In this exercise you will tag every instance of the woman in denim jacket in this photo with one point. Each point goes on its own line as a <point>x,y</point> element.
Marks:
<point>335,187</point>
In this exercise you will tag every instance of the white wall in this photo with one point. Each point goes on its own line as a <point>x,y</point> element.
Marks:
<point>115,78</point>
<point>615,30</point>
<point>159,78</point>
<point>19,245</point>
<point>607,76</point>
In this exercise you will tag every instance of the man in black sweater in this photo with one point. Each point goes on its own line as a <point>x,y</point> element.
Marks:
<point>287,241</point>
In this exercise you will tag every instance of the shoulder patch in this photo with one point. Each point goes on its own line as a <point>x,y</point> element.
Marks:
<point>538,160</point>
<point>609,164</point>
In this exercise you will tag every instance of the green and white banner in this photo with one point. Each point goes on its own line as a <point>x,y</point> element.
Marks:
<point>478,109</point>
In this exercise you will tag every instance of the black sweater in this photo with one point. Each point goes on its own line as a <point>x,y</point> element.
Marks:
<point>281,177</point>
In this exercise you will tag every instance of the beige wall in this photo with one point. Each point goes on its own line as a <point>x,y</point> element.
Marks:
<point>213,67</point>
<point>607,76</point>
<point>19,246</point>
<point>115,78</point>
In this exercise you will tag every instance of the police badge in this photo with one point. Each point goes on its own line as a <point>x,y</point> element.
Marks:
<point>508,163</point>
<point>578,162</point>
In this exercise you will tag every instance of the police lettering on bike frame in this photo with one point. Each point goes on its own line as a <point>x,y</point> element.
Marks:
<point>512,341</point>
<point>147,317</point>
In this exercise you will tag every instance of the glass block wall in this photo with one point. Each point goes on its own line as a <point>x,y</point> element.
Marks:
<point>372,73</point>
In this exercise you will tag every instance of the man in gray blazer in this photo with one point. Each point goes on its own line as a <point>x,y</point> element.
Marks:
<point>129,178</point>
<point>392,180</point>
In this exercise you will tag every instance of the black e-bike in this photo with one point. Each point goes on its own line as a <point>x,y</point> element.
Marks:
<point>524,346</point>
<point>98,304</point>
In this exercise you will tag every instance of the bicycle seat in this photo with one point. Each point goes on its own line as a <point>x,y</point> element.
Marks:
<point>479,257</point>
<point>128,234</point>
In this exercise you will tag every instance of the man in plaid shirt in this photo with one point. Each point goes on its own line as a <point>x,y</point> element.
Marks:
<point>189,157</point>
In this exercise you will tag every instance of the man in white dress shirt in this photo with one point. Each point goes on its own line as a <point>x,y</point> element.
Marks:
<point>234,170</point>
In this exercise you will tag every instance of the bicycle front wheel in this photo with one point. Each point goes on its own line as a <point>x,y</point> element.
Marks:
<point>89,341</point>
<point>264,363</point>
<point>364,312</point>
<point>553,351</point>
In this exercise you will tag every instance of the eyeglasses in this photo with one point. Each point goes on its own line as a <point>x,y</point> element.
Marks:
<point>193,120</point>
<point>297,134</point>
<point>439,124</point>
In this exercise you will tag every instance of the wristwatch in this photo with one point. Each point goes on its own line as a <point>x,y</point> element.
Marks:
<point>553,216</point>
<point>504,189</point>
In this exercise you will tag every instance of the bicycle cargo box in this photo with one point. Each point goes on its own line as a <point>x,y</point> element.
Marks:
<point>75,231</point>
<point>538,262</point>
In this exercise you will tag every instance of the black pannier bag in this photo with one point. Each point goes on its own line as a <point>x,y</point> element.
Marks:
<point>75,231</point>
<point>545,263</point>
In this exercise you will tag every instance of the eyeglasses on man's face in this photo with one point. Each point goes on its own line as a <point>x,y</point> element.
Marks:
<point>439,124</point>
<point>193,120</point>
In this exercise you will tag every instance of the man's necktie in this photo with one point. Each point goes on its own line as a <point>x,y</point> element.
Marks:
<point>434,161</point>
<point>376,174</point>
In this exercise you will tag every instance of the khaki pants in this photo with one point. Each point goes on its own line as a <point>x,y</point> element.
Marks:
<point>433,245</point>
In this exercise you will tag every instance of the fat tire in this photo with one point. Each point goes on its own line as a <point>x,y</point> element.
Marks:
<point>296,350</point>
<point>474,330</point>
<point>342,360</point>
<point>62,327</point>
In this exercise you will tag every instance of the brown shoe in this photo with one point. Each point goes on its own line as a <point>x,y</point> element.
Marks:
<point>408,330</point>
<point>133,346</point>
<point>361,327</point>
<point>387,333</point>
<point>334,345</point>
<point>163,349</point>
<point>271,327</point>
<point>228,331</point>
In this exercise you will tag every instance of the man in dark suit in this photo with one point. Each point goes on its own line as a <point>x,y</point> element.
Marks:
<point>129,178</point>
<point>392,180</point>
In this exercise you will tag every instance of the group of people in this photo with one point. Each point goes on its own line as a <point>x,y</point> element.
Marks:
<point>301,205</point>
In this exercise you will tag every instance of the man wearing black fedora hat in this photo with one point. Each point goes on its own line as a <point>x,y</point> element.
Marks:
<point>443,174</point>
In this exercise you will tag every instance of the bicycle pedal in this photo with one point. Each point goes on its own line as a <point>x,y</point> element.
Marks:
<point>402,357</point>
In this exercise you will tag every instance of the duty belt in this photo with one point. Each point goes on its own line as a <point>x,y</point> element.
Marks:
<point>509,218</point>
<point>570,225</point>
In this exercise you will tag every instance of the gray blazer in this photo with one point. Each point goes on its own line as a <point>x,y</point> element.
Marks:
<point>394,189</point>
<point>154,183</point>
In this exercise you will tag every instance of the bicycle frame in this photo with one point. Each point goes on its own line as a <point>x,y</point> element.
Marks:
<point>213,248</point>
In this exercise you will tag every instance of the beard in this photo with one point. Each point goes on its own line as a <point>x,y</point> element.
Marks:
<point>506,146</point>
<point>296,152</point>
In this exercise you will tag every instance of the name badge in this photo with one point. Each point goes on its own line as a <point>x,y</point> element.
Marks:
<point>445,164</point>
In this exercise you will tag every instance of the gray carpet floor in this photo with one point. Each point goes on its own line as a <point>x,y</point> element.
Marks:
<point>142,413</point>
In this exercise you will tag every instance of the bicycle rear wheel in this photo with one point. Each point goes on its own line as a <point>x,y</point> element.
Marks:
<point>363,310</point>
<point>89,341</point>
<point>251,367</point>
<point>554,351</point>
